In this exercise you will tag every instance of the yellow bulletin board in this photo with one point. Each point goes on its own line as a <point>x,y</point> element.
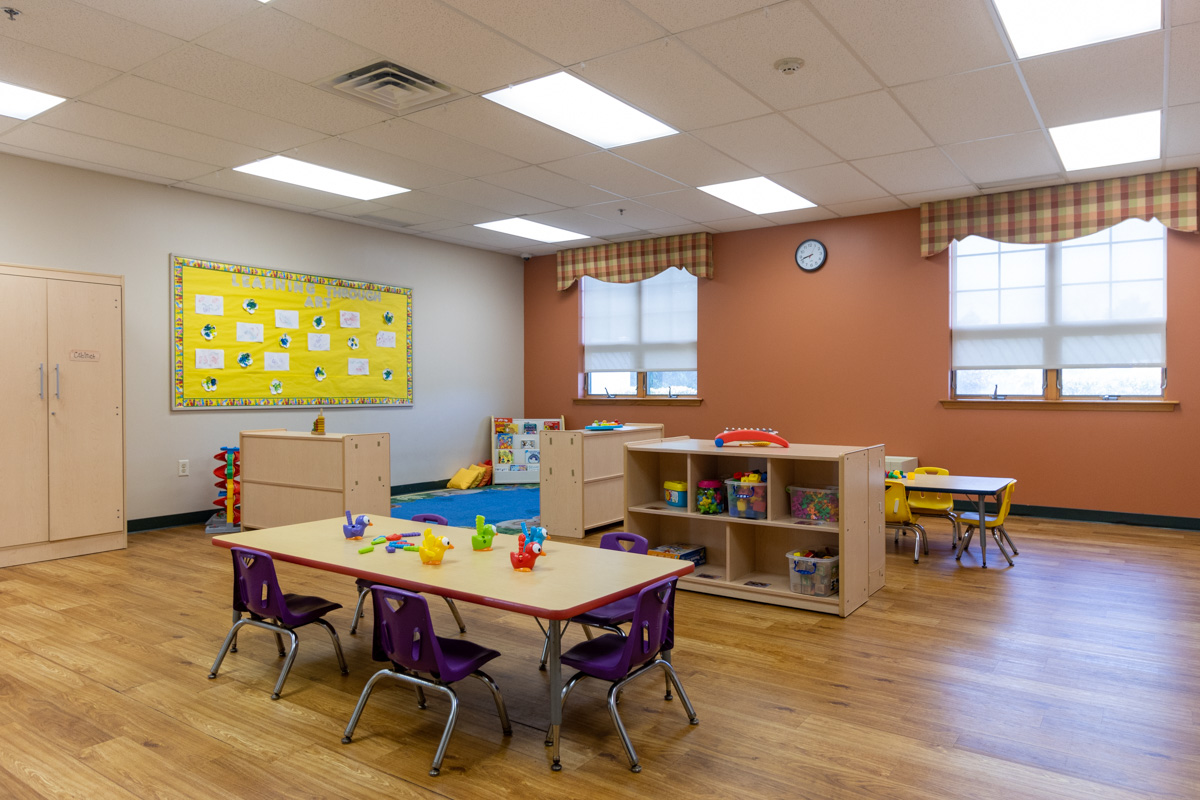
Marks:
<point>247,337</point>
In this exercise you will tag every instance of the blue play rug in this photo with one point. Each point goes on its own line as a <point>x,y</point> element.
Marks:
<point>504,506</point>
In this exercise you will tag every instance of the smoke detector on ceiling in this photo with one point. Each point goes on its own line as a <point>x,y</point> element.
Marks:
<point>789,66</point>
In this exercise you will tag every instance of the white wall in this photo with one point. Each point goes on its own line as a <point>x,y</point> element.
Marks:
<point>468,354</point>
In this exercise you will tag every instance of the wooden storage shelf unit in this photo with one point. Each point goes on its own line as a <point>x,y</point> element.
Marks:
<point>292,476</point>
<point>740,552</point>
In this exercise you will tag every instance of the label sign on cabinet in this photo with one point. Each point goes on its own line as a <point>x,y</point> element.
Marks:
<point>85,355</point>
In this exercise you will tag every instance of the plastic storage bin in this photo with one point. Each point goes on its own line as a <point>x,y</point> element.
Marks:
<point>815,505</point>
<point>675,493</point>
<point>746,500</point>
<point>710,497</point>
<point>816,577</point>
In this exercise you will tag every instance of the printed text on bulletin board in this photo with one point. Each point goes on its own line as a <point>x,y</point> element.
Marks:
<point>247,337</point>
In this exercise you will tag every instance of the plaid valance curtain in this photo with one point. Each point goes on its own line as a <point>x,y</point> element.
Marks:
<point>629,262</point>
<point>1058,213</point>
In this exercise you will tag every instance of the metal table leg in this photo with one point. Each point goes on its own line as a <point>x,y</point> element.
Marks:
<point>982,533</point>
<point>554,667</point>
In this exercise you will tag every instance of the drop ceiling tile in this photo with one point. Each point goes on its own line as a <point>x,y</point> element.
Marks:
<point>747,46</point>
<point>740,224</point>
<point>974,105</point>
<point>88,34</point>
<point>699,96</point>
<point>801,215</point>
<point>147,99</point>
<point>496,198</point>
<point>768,144</point>
<point>682,15</point>
<point>549,186</point>
<point>46,70</point>
<point>271,39</point>
<point>497,128</point>
<point>1103,80</point>
<point>440,207</point>
<point>366,221</point>
<point>1116,171</point>
<point>693,205</point>
<point>861,207</point>
<point>834,183</point>
<point>354,208</point>
<point>244,198</point>
<point>915,171</point>
<point>1183,130</point>
<point>410,140</point>
<point>254,188</point>
<point>613,174</point>
<point>635,214</point>
<point>1183,83</point>
<point>357,159</point>
<point>429,227</point>
<point>570,219</point>
<point>1184,12</point>
<point>399,216</point>
<point>860,127</point>
<point>8,123</point>
<point>429,37</point>
<point>918,39</point>
<point>91,166</point>
<point>565,32</point>
<point>181,20</point>
<point>219,77</point>
<point>1005,158</point>
<point>115,126</point>
<point>97,151</point>
<point>685,159</point>
<point>949,193</point>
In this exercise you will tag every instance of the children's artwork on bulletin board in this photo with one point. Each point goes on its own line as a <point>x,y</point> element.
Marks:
<point>516,457</point>
<point>247,337</point>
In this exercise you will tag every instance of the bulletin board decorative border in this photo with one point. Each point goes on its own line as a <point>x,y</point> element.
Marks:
<point>311,298</point>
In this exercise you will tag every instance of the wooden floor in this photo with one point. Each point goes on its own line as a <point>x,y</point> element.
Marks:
<point>1074,674</point>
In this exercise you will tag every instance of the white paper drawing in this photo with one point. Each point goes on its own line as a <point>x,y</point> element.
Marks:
<point>385,339</point>
<point>359,366</point>
<point>287,319</point>
<point>318,341</point>
<point>348,319</point>
<point>211,304</point>
<point>249,332</point>
<point>210,359</point>
<point>276,362</point>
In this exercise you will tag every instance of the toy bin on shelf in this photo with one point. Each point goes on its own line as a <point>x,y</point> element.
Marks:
<point>817,505</point>
<point>817,577</point>
<point>675,493</point>
<point>710,497</point>
<point>746,500</point>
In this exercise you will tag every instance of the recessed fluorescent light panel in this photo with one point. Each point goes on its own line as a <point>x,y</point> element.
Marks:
<point>1046,26</point>
<point>563,101</point>
<point>22,103</point>
<point>758,196</point>
<point>528,229</point>
<point>1103,142</point>
<point>301,173</point>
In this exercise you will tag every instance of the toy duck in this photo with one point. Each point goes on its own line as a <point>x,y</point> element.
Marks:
<point>537,535</point>
<point>482,540</point>
<point>354,529</point>
<point>525,555</point>
<point>433,548</point>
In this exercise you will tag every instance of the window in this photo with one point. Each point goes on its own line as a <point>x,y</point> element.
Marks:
<point>1080,318</point>
<point>639,339</point>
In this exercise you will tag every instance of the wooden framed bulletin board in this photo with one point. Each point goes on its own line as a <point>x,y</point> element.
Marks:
<point>248,337</point>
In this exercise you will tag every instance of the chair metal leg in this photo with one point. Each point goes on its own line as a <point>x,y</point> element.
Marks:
<point>634,766</point>
<point>287,665</point>
<point>486,679</point>
<point>337,645</point>
<point>965,542</point>
<point>279,643</point>
<point>587,631</point>
<point>230,641</point>
<point>359,613</point>
<point>236,616</point>
<point>673,678</point>
<point>462,628</point>
<point>1000,546</point>
<point>231,637</point>
<point>1008,539</point>
<point>348,735</point>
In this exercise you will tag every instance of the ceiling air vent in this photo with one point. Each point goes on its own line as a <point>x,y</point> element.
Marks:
<point>396,89</point>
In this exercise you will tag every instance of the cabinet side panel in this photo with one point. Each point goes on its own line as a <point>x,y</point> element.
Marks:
<point>23,466</point>
<point>368,459</point>
<point>561,484</point>
<point>856,531</point>
<point>877,545</point>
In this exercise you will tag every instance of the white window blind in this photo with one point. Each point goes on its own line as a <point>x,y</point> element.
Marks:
<point>1097,301</point>
<point>648,326</point>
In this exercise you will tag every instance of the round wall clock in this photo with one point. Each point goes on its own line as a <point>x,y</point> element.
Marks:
<point>811,255</point>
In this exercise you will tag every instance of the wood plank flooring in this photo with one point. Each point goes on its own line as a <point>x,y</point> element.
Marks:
<point>1074,674</point>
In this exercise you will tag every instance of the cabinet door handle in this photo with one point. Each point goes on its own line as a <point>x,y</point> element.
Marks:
<point>42,381</point>
<point>56,382</point>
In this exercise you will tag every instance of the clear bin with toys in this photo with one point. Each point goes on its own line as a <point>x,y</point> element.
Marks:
<point>813,573</point>
<point>816,505</point>
<point>746,499</point>
<point>710,497</point>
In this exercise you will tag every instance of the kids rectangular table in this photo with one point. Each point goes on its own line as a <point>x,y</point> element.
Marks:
<point>568,581</point>
<point>974,487</point>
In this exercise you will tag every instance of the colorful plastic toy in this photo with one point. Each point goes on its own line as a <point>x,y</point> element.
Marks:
<point>482,540</point>
<point>537,535</point>
<point>318,428</point>
<point>897,474</point>
<point>368,549</point>
<point>603,425</point>
<point>525,555</point>
<point>229,494</point>
<point>354,529</point>
<point>433,548</point>
<point>755,437</point>
<point>379,540</point>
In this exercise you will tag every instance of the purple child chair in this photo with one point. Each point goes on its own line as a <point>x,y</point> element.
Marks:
<point>256,592</point>
<point>404,635</point>
<point>364,585</point>
<point>621,659</point>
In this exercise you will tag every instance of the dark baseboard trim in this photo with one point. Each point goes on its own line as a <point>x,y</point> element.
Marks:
<point>1087,515</point>
<point>170,521</point>
<point>410,488</point>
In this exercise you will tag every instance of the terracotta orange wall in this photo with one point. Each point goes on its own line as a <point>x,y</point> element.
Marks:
<point>858,353</point>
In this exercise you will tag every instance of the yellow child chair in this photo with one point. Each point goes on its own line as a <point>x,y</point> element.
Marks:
<point>994,524</point>
<point>899,517</point>
<point>934,504</point>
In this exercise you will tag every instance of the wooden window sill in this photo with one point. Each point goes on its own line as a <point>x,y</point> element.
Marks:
<point>1065,405</point>
<point>683,400</point>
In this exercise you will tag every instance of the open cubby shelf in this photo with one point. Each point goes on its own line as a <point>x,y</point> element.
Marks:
<point>746,558</point>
